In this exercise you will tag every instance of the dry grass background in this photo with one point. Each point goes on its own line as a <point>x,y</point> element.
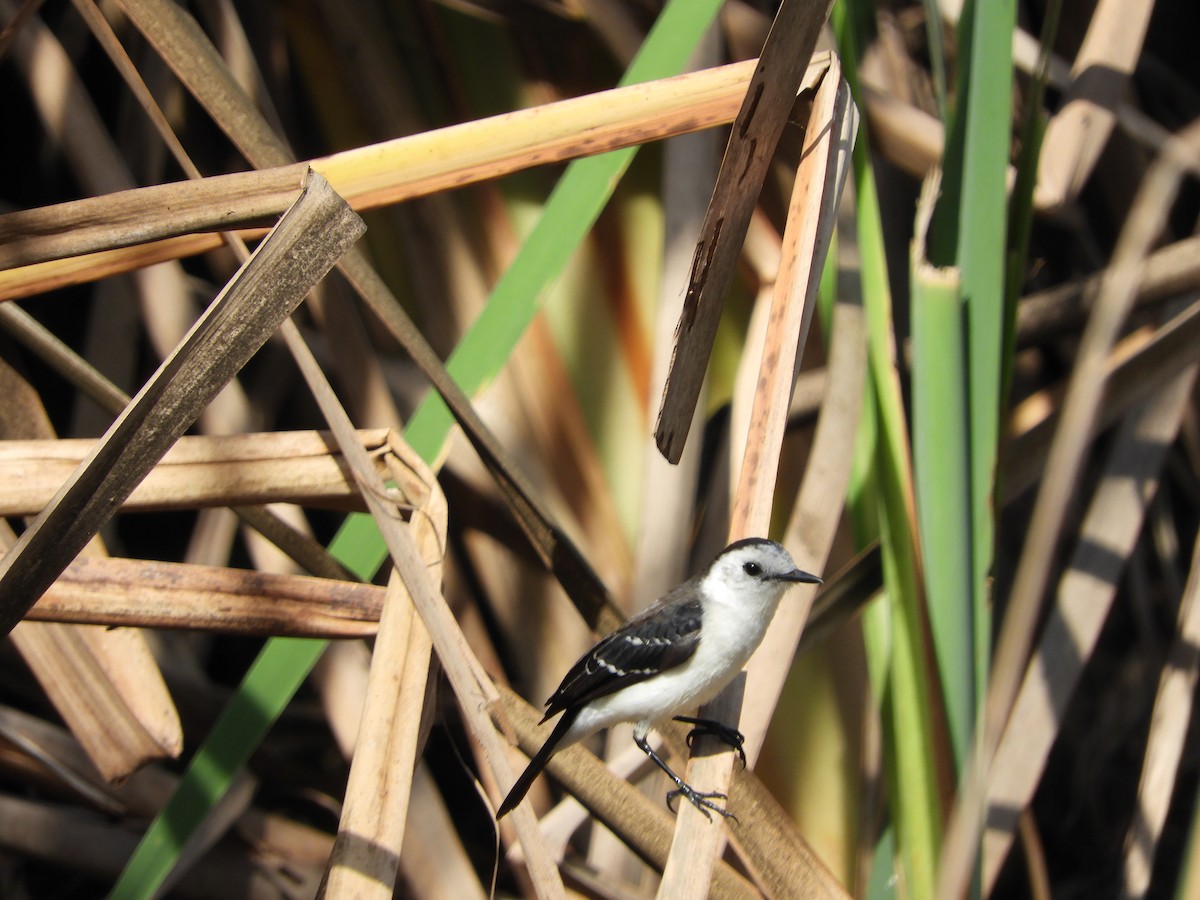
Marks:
<point>552,512</point>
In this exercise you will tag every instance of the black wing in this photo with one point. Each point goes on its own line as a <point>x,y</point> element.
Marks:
<point>659,638</point>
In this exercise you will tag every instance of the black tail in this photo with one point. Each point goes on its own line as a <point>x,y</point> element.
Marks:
<point>521,788</point>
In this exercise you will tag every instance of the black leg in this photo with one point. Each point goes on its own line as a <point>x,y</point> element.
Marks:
<point>729,736</point>
<point>701,801</point>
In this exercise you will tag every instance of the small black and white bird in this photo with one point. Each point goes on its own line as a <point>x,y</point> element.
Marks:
<point>675,655</point>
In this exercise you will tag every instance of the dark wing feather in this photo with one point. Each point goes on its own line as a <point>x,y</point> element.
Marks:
<point>659,638</point>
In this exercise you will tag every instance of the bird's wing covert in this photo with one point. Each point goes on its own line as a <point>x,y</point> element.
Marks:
<point>647,644</point>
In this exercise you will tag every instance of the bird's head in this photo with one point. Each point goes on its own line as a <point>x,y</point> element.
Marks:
<point>754,570</point>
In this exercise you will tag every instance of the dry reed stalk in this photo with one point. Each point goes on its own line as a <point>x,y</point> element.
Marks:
<point>107,689</point>
<point>809,535</point>
<point>1168,730</point>
<point>1138,367</point>
<point>302,467</point>
<point>105,685</point>
<point>1084,596</point>
<point>114,592</point>
<point>305,243</point>
<point>373,176</point>
<point>229,412</point>
<point>365,861</point>
<point>471,685</point>
<point>1100,75</point>
<point>1170,270</point>
<point>135,687</point>
<point>778,79</point>
<point>829,460</point>
<point>69,115</point>
<point>811,217</point>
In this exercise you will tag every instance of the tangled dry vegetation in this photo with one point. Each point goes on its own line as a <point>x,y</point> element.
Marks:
<point>300,518</point>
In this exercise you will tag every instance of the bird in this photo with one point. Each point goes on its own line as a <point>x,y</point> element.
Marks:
<point>675,655</point>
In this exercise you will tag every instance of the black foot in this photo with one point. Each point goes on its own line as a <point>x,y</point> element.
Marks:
<point>702,802</point>
<point>731,737</point>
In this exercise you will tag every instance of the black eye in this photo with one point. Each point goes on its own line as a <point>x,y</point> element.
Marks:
<point>752,569</point>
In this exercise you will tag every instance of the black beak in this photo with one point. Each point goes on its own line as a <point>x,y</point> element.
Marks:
<point>796,575</point>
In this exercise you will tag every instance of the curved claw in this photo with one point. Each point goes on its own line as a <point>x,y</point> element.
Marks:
<point>731,737</point>
<point>701,801</point>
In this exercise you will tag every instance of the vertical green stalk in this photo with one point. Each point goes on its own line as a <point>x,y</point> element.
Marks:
<point>934,36</point>
<point>942,481</point>
<point>910,703</point>
<point>970,234</point>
